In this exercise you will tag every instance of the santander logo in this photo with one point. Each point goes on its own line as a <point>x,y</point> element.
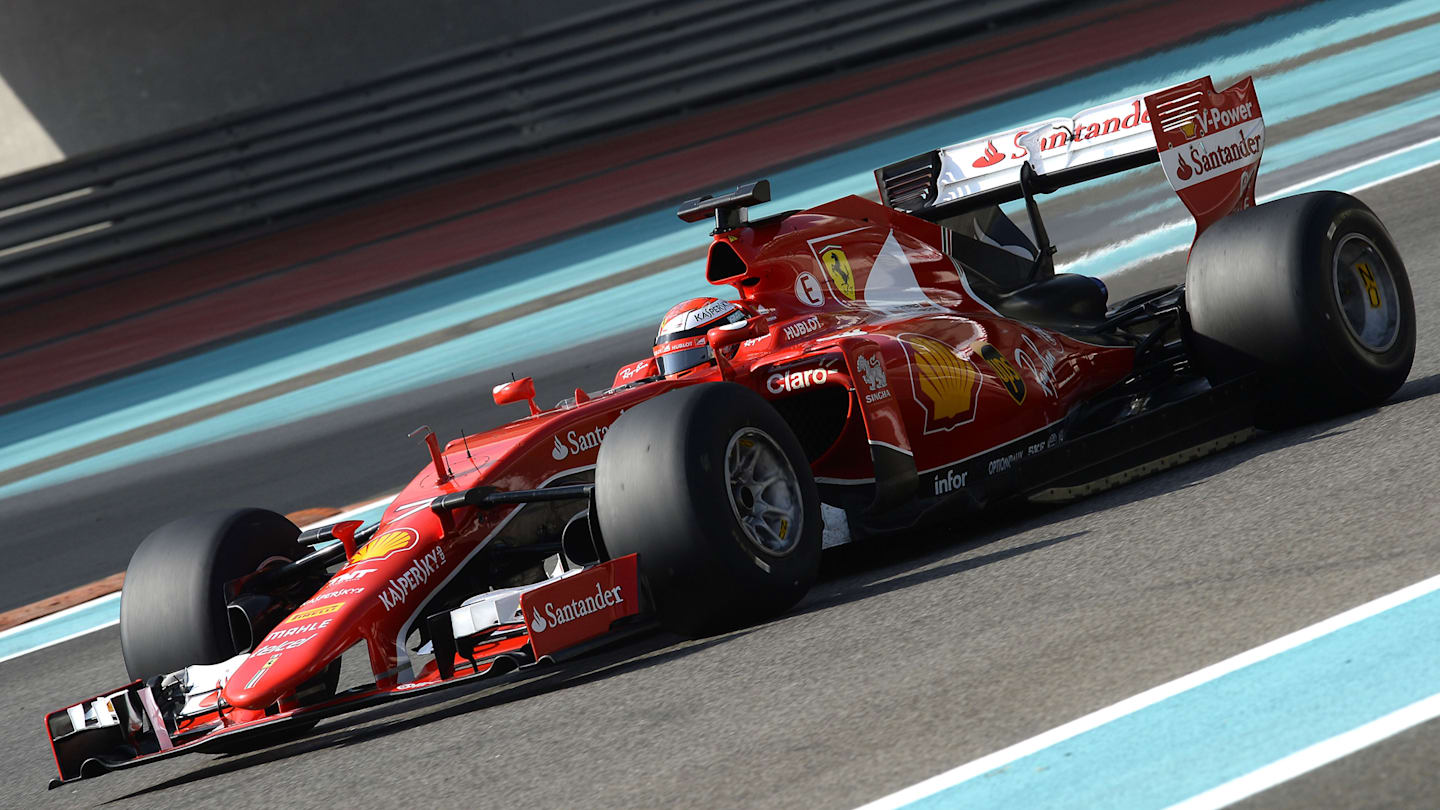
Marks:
<point>560,451</point>
<point>1182,169</point>
<point>555,615</point>
<point>990,158</point>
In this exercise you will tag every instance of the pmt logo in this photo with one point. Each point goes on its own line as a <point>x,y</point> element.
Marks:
<point>577,442</point>
<point>552,616</point>
<point>792,381</point>
<point>386,544</point>
<point>872,374</point>
<point>943,382</point>
<point>801,329</point>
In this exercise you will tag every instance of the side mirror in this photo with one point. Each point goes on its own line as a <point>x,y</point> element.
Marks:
<point>723,337</point>
<point>521,390</point>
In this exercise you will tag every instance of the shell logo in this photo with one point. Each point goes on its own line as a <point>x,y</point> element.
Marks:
<point>944,383</point>
<point>386,544</point>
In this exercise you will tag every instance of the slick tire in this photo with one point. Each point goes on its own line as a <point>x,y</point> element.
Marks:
<point>1310,292</point>
<point>709,486</point>
<point>173,605</point>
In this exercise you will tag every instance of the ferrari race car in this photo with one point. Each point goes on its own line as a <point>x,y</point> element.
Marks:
<point>883,365</point>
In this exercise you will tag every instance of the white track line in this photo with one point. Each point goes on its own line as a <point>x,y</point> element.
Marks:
<point>1150,697</point>
<point>1317,755</point>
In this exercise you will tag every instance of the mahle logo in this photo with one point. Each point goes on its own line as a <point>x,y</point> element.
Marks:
<point>944,383</point>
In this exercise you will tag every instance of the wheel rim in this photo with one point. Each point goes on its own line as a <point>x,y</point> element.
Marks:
<point>1365,293</point>
<point>764,492</point>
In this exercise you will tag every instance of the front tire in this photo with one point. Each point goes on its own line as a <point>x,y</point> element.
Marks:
<point>711,488</point>
<point>1310,292</point>
<point>173,604</point>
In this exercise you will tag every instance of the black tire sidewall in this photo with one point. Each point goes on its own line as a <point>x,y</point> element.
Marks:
<point>1362,372</point>
<point>172,605</point>
<point>661,492</point>
<point>1260,297</point>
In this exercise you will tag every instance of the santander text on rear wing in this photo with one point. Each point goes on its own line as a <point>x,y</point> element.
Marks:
<point>1208,142</point>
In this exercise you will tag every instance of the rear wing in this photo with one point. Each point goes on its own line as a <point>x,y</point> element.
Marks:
<point>1208,143</point>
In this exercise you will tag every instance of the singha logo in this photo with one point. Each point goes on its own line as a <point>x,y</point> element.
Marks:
<point>872,371</point>
<point>560,451</point>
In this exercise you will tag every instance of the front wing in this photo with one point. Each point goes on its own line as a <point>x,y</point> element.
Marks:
<point>556,620</point>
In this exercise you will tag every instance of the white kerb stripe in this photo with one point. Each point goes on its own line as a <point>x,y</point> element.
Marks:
<point>1317,755</point>
<point>1150,697</point>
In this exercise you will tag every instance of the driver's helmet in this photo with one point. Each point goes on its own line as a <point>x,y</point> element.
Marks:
<point>680,344</point>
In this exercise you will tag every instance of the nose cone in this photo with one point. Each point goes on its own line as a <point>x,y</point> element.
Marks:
<point>294,652</point>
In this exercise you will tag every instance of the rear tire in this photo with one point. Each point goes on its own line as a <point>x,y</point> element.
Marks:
<point>173,605</point>
<point>1310,292</point>
<point>711,488</point>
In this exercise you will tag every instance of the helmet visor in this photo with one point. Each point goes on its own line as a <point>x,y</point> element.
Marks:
<point>683,360</point>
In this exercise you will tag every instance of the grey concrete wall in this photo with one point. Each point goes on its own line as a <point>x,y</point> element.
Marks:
<point>80,75</point>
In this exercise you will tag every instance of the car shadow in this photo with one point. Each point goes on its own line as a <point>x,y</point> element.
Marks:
<point>631,655</point>
<point>848,574</point>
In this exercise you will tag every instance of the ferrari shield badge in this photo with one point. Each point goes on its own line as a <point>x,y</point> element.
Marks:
<point>837,264</point>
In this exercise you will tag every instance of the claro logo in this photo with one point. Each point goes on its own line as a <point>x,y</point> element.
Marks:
<point>553,616</point>
<point>792,381</point>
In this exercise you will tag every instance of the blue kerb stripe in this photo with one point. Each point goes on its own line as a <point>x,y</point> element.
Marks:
<point>1227,727</point>
<point>42,632</point>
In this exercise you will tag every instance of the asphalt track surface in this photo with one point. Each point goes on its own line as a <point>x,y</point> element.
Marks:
<point>904,662</point>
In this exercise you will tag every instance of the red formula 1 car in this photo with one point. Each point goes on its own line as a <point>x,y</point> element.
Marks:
<point>882,365</point>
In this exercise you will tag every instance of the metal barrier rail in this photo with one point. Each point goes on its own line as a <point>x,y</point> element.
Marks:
<point>623,64</point>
